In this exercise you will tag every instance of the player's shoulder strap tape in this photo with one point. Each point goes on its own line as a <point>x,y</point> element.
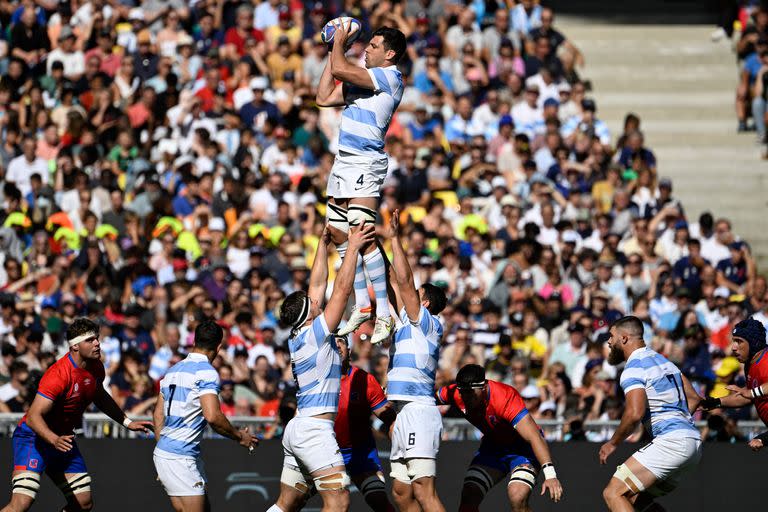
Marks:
<point>26,483</point>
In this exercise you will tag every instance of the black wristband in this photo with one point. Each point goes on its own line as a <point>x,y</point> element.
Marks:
<point>710,403</point>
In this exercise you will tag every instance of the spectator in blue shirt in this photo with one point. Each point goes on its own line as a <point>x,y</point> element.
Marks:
<point>733,272</point>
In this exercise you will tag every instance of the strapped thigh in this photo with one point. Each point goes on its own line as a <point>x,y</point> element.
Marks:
<point>337,217</point>
<point>26,483</point>
<point>480,478</point>
<point>338,481</point>
<point>523,474</point>
<point>373,484</point>
<point>294,478</point>
<point>76,483</point>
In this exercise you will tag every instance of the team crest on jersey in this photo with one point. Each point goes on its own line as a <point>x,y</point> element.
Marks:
<point>33,463</point>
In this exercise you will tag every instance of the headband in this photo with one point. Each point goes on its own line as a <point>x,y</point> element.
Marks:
<point>474,385</point>
<point>83,337</point>
<point>302,316</point>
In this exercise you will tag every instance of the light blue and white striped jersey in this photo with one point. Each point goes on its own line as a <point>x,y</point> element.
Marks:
<point>667,413</point>
<point>316,364</point>
<point>600,128</point>
<point>182,388</point>
<point>413,362</point>
<point>365,119</point>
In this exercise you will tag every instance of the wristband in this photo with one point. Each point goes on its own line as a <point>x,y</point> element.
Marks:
<point>127,421</point>
<point>549,471</point>
<point>757,392</point>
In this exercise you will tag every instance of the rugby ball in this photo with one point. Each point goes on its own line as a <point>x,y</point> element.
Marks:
<point>330,29</point>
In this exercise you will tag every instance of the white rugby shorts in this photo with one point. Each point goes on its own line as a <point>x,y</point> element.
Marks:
<point>417,431</point>
<point>669,458</point>
<point>357,176</point>
<point>309,445</point>
<point>181,476</point>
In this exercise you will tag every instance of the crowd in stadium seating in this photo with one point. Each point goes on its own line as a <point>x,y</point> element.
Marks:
<point>164,162</point>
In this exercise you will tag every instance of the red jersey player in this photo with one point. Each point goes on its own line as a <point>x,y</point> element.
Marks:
<point>749,347</point>
<point>511,443</point>
<point>43,440</point>
<point>360,396</point>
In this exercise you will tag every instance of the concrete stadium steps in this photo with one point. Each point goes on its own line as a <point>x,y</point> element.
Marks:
<point>682,85</point>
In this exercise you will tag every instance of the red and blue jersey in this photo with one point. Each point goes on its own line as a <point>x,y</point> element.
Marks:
<point>756,376</point>
<point>71,389</point>
<point>503,411</point>
<point>360,395</point>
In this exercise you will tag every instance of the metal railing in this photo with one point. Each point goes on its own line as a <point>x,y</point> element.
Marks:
<point>99,426</point>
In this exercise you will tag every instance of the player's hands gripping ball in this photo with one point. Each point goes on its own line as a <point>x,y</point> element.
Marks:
<point>350,27</point>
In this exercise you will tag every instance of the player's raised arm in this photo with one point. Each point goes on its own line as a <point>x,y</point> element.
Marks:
<point>634,411</point>
<point>402,272</point>
<point>334,310</point>
<point>211,406</point>
<point>329,93</point>
<point>318,278</point>
<point>41,406</point>
<point>341,68</point>
<point>529,431</point>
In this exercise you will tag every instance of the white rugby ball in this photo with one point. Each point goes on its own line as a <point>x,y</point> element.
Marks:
<point>330,29</point>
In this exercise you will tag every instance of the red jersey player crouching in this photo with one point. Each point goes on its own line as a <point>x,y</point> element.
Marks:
<point>44,442</point>
<point>360,396</point>
<point>512,441</point>
<point>749,347</point>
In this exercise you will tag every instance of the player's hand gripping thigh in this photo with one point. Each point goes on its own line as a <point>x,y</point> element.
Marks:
<point>333,486</point>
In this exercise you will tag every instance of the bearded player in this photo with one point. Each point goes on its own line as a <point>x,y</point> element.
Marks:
<point>660,396</point>
<point>370,97</point>
<point>44,439</point>
<point>512,442</point>
<point>749,347</point>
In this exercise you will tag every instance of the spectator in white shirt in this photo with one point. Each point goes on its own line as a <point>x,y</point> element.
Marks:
<point>527,112</point>
<point>21,168</point>
<point>73,60</point>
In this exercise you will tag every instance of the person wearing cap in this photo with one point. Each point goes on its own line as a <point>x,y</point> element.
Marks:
<point>749,347</point>
<point>528,112</point>
<point>359,169</point>
<point>44,440</point>
<point>511,444</point>
<point>73,60</point>
<point>312,455</point>
<point>252,114</point>
<point>653,388</point>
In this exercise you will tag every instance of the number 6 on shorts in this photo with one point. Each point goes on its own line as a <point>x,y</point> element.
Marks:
<point>411,438</point>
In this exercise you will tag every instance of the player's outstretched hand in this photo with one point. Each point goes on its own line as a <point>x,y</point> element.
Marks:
<point>64,443</point>
<point>756,445</point>
<point>605,451</point>
<point>743,392</point>
<point>141,426</point>
<point>554,487</point>
<point>248,440</point>
<point>361,236</point>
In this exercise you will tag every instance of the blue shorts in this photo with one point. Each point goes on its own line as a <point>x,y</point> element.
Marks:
<point>504,458</point>
<point>30,453</point>
<point>359,461</point>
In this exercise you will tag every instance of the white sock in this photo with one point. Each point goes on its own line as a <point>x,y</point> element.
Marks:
<point>362,298</point>
<point>377,273</point>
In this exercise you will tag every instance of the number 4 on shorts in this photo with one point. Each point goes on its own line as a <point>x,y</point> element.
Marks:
<point>360,181</point>
<point>411,438</point>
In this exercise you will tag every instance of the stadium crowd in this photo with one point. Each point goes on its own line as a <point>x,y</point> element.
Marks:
<point>164,162</point>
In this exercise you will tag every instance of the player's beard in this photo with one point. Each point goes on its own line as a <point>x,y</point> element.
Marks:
<point>615,356</point>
